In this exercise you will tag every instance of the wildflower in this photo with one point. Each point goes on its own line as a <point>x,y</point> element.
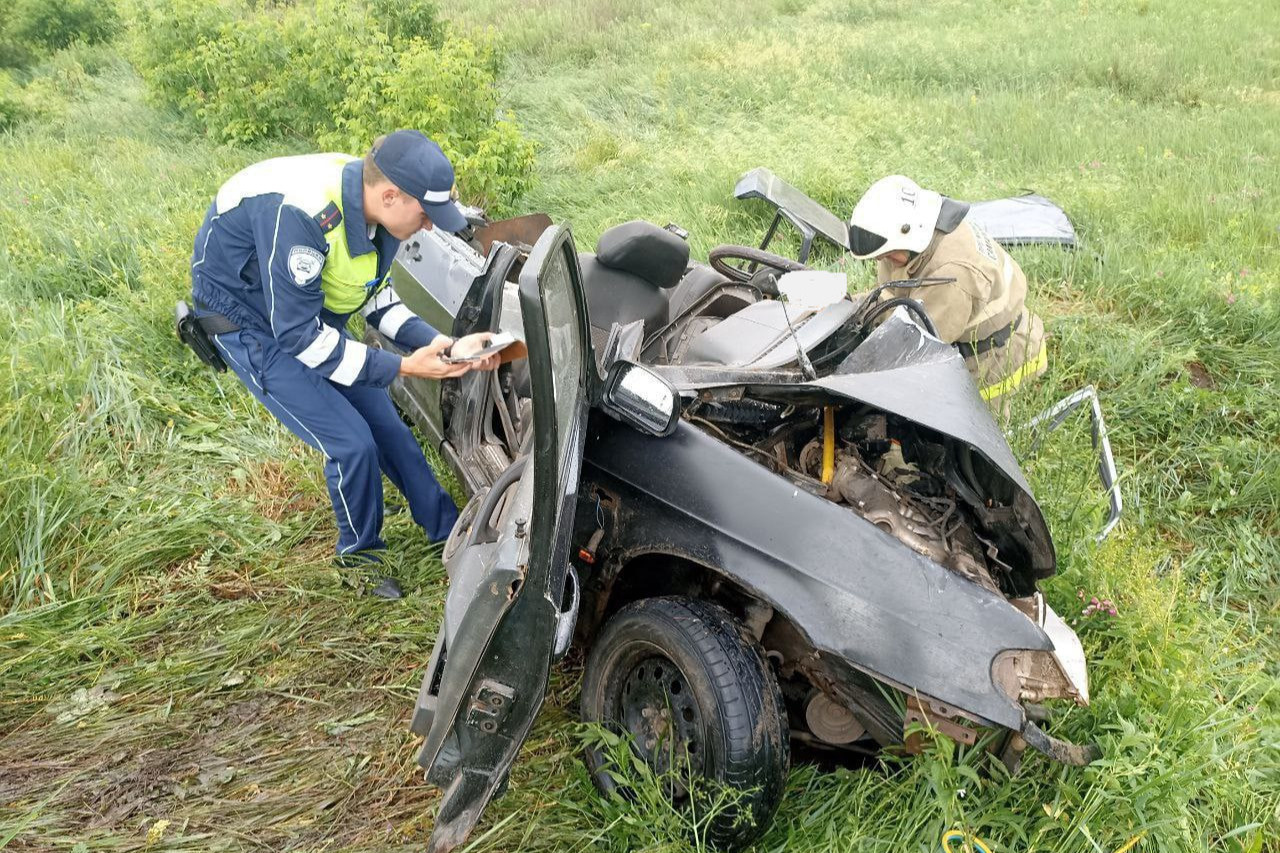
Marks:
<point>156,832</point>
<point>1096,605</point>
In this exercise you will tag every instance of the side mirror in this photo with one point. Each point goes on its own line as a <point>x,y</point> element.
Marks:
<point>637,396</point>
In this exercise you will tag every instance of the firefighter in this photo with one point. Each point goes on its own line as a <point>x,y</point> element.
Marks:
<point>289,249</point>
<point>914,233</point>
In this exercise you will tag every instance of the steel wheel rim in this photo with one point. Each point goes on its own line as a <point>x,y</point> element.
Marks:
<point>655,705</point>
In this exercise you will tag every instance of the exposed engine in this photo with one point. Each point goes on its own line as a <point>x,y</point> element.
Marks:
<point>886,470</point>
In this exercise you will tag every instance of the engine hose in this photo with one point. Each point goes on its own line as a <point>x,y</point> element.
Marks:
<point>957,479</point>
<point>916,309</point>
<point>744,412</point>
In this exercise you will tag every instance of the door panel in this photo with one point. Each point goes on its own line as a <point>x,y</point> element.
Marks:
<point>488,674</point>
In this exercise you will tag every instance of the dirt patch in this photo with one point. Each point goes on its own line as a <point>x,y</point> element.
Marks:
<point>266,767</point>
<point>1200,376</point>
<point>273,489</point>
<point>230,585</point>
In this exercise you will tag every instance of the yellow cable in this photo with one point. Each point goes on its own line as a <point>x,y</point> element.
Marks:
<point>966,841</point>
<point>828,444</point>
<point>1131,842</point>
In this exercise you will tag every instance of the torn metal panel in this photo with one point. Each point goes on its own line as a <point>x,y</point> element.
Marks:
<point>1053,418</point>
<point>1024,219</point>
<point>1019,220</point>
<point>449,264</point>
<point>807,216</point>
<point>902,369</point>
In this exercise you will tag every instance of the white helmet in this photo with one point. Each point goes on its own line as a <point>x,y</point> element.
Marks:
<point>895,213</point>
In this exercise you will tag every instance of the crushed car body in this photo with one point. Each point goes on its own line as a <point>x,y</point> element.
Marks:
<point>685,458</point>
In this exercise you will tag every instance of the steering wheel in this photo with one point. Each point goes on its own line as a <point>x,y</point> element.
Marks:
<point>721,255</point>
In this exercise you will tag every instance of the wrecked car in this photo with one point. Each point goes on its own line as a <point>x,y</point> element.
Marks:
<point>766,512</point>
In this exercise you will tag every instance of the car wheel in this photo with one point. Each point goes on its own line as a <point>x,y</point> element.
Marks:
<point>678,676</point>
<point>462,526</point>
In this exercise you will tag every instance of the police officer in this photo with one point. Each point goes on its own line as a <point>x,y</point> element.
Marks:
<point>914,233</point>
<point>289,249</point>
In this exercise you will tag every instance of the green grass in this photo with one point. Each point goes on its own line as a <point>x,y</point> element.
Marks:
<point>175,646</point>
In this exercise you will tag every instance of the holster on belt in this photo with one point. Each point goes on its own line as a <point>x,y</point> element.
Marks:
<point>197,333</point>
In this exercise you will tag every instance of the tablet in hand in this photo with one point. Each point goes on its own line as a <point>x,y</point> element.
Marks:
<point>496,344</point>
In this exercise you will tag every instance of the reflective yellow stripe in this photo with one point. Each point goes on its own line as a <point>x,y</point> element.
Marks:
<point>1013,380</point>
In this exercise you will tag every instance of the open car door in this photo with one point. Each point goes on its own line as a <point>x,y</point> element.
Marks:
<point>510,573</point>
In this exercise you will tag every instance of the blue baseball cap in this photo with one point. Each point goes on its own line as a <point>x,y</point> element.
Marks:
<point>417,166</point>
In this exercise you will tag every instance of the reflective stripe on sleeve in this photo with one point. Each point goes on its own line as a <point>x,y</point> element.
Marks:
<point>353,358</point>
<point>322,347</point>
<point>396,316</point>
<point>384,298</point>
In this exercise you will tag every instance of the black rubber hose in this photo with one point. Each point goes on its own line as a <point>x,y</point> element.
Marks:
<point>916,309</point>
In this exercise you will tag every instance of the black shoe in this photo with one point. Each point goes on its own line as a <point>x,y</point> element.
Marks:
<point>385,586</point>
<point>363,570</point>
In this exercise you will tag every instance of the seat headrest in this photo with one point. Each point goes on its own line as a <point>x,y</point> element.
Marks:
<point>643,249</point>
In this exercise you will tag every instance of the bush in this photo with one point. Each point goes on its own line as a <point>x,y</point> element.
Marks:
<point>12,108</point>
<point>337,74</point>
<point>55,25</point>
<point>12,54</point>
<point>55,85</point>
<point>449,94</point>
<point>402,20</point>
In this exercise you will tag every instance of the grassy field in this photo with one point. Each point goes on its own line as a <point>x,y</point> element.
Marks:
<point>181,668</point>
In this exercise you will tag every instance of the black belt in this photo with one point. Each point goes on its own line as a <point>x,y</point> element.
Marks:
<point>212,322</point>
<point>998,339</point>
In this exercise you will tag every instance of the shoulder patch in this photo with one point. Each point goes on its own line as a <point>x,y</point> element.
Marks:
<point>305,264</point>
<point>329,218</point>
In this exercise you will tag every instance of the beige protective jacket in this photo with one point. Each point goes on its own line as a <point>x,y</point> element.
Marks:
<point>987,298</point>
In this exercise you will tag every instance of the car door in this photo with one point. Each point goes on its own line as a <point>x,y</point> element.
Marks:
<point>488,673</point>
<point>443,280</point>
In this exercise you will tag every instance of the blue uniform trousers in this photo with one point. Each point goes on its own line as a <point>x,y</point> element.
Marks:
<point>357,429</point>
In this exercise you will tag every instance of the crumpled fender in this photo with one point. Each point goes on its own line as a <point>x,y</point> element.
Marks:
<point>855,591</point>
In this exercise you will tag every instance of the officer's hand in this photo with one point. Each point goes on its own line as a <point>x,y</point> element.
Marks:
<point>469,344</point>
<point>425,362</point>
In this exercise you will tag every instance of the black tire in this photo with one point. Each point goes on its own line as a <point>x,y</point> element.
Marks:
<point>690,659</point>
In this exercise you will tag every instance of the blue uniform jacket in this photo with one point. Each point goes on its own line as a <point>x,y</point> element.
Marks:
<point>258,260</point>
